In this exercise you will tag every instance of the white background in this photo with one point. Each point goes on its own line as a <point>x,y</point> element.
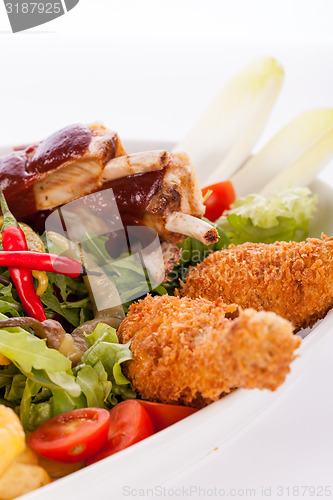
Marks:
<point>148,69</point>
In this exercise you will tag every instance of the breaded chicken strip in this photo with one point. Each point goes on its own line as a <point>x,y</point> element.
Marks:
<point>188,351</point>
<point>294,280</point>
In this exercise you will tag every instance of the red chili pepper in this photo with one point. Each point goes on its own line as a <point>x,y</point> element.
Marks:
<point>40,261</point>
<point>13,238</point>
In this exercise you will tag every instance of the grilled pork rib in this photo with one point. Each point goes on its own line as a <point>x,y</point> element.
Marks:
<point>65,166</point>
<point>154,188</point>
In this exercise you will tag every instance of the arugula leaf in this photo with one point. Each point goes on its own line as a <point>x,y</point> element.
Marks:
<point>75,312</point>
<point>8,304</point>
<point>95,246</point>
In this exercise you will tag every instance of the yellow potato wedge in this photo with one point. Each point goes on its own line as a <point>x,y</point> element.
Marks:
<point>12,438</point>
<point>21,478</point>
<point>29,456</point>
<point>58,469</point>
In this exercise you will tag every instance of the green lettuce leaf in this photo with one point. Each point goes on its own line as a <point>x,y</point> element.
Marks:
<point>27,352</point>
<point>102,332</point>
<point>31,389</point>
<point>111,356</point>
<point>36,414</point>
<point>90,383</point>
<point>61,402</point>
<point>56,381</point>
<point>105,356</point>
<point>14,391</point>
<point>35,377</point>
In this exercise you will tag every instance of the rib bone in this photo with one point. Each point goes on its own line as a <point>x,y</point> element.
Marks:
<point>191,226</point>
<point>138,163</point>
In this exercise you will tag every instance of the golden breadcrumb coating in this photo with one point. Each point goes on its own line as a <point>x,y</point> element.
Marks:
<point>190,351</point>
<point>294,280</point>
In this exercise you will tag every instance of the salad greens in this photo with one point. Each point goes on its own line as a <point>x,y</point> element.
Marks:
<point>67,297</point>
<point>40,383</point>
<point>9,303</point>
<point>125,271</point>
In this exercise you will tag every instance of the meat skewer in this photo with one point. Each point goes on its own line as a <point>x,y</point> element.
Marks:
<point>191,352</point>
<point>291,279</point>
<point>80,160</point>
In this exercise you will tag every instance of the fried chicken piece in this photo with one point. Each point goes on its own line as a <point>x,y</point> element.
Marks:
<point>191,352</point>
<point>294,280</point>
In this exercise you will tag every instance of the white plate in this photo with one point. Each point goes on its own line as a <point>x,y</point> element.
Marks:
<point>169,452</point>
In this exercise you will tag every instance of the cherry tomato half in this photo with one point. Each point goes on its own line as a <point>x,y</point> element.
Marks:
<point>72,436</point>
<point>221,198</point>
<point>129,424</point>
<point>164,415</point>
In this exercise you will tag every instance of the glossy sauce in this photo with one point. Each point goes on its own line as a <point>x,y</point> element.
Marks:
<point>132,195</point>
<point>67,144</point>
<point>21,168</point>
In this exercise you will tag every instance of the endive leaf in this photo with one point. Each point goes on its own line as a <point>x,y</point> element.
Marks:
<point>223,138</point>
<point>292,158</point>
<point>306,168</point>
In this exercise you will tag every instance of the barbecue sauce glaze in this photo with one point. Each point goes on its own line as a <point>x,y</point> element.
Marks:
<point>20,169</point>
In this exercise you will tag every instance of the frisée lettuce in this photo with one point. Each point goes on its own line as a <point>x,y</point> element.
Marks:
<point>284,217</point>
